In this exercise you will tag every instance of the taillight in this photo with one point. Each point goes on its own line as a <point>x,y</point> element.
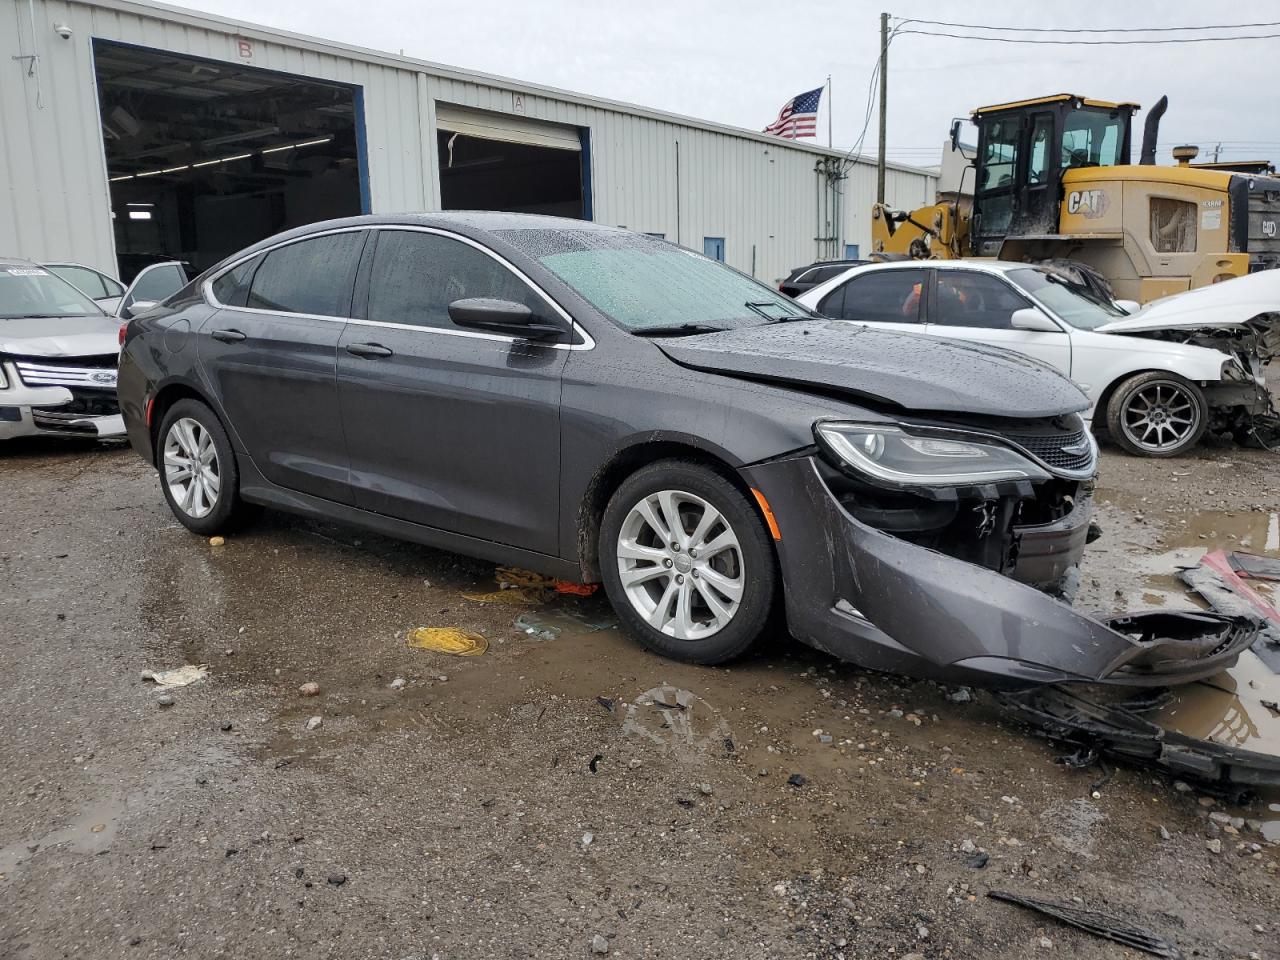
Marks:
<point>123,329</point>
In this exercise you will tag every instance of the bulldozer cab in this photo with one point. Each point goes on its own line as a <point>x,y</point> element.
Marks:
<point>1023,150</point>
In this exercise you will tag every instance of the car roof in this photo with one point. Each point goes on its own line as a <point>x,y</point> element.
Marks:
<point>475,219</point>
<point>990,266</point>
<point>6,262</point>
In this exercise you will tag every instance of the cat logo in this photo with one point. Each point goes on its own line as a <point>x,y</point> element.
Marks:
<point>1268,228</point>
<point>1088,203</point>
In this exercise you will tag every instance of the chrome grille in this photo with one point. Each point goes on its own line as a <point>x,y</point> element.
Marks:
<point>1058,449</point>
<point>52,373</point>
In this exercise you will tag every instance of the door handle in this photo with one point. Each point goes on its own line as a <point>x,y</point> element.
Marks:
<point>368,350</point>
<point>228,336</point>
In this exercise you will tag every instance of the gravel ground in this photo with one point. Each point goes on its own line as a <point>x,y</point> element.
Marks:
<point>549,793</point>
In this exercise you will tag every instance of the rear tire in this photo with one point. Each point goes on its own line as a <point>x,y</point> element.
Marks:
<point>198,471</point>
<point>1157,414</point>
<point>687,563</point>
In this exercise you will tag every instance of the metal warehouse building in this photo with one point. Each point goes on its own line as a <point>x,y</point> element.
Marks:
<point>133,131</point>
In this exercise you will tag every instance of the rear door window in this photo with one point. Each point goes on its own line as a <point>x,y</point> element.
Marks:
<point>969,299</point>
<point>88,280</point>
<point>415,276</point>
<point>232,288</point>
<point>886,296</point>
<point>311,276</point>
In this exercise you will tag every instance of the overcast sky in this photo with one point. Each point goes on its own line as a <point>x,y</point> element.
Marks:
<point>738,61</point>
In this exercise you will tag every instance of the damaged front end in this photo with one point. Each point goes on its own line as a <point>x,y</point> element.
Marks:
<point>930,549</point>
<point>1240,319</point>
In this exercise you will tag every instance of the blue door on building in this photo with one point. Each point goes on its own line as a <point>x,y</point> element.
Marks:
<point>713,247</point>
<point>851,251</point>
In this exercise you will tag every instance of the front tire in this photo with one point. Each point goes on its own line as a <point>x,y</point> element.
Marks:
<point>1157,414</point>
<point>198,472</point>
<point>687,563</point>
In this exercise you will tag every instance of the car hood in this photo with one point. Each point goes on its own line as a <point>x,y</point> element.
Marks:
<point>904,370</point>
<point>1252,300</point>
<point>60,336</point>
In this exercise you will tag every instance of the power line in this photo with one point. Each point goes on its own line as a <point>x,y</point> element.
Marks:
<point>979,26</point>
<point>1085,43</point>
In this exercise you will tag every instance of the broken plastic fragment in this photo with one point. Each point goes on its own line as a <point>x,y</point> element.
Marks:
<point>535,628</point>
<point>1095,922</point>
<point>452,640</point>
<point>177,677</point>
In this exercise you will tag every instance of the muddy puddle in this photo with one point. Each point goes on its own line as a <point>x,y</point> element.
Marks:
<point>1237,708</point>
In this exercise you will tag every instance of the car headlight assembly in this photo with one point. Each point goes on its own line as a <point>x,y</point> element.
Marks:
<point>890,455</point>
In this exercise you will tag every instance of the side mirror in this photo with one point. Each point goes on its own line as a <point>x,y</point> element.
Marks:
<point>1129,306</point>
<point>1029,318</point>
<point>137,307</point>
<point>501,316</point>
<point>955,134</point>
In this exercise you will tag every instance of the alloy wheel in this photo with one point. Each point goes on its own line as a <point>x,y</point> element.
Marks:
<point>1160,416</point>
<point>191,469</point>
<point>681,565</point>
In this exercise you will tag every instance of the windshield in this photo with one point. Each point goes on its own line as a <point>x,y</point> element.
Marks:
<point>645,284</point>
<point>35,292</point>
<point>1073,303</point>
<point>1092,138</point>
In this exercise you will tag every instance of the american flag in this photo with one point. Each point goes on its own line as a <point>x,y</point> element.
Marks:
<point>799,116</point>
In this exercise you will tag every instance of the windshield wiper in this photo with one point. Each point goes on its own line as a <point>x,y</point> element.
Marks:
<point>677,330</point>
<point>763,307</point>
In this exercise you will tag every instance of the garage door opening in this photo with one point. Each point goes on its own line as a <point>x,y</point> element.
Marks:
<point>206,157</point>
<point>492,161</point>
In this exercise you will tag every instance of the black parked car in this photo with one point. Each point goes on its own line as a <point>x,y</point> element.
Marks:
<point>600,405</point>
<point>810,275</point>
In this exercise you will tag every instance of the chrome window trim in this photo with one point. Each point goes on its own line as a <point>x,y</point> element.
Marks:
<point>588,342</point>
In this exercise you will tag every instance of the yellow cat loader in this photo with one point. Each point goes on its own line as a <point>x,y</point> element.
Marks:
<point>1051,181</point>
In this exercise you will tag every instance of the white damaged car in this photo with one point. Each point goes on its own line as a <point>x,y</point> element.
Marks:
<point>58,351</point>
<point>1158,378</point>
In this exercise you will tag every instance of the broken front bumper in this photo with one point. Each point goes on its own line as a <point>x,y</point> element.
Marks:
<point>37,411</point>
<point>884,603</point>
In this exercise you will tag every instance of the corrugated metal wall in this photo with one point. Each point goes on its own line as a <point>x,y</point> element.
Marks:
<point>761,196</point>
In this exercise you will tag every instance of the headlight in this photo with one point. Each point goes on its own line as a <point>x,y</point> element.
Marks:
<point>4,381</point>
<point>891,455</point>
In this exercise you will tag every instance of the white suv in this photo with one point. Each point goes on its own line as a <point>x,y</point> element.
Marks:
<point>1156,392</point>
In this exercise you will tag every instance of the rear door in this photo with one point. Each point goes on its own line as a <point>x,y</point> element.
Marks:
<point>455,429</point>
<point>976,306</point>
<point>887,299</point>
<point>270,353</point>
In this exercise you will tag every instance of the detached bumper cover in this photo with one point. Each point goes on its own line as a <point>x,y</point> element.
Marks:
<point>1120,729</point>
<point>888,604</point>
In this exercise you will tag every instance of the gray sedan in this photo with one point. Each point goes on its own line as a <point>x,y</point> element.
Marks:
<point>604,406</point>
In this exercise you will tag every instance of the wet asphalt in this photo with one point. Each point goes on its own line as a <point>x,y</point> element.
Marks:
<point>551,791</point>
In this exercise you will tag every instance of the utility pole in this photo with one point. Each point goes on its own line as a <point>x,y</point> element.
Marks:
<point>884,101</point>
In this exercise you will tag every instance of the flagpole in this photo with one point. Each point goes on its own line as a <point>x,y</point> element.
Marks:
<point>828,110</point>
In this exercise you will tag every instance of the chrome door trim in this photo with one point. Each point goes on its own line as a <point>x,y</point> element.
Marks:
<point>588,342</point>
